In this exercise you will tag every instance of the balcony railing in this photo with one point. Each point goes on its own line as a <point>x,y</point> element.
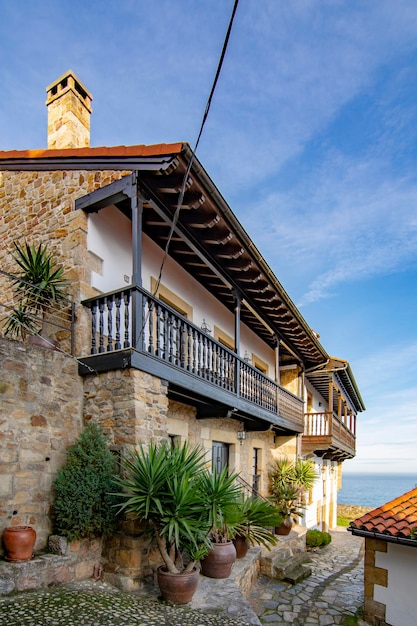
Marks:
<point>134,318</point>
<point>327,425</point>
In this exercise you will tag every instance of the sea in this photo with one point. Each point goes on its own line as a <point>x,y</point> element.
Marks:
<point>373,490</point>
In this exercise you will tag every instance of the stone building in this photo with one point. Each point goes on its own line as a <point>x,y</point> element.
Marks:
<point>180,329</point>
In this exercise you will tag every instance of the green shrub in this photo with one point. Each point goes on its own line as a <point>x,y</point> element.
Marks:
<point>317,539</point>
<point>83,506</point>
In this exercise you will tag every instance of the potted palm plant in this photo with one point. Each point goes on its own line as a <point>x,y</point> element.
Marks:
<point>162,487</point>
<point>256,516</point>
<point>288,483</point>
<point>39,287</point>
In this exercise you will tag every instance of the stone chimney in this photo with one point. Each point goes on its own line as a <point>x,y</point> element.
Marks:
<point>69,110</point>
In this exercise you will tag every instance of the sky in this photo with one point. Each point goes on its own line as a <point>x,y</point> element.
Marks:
<point>311,138</point>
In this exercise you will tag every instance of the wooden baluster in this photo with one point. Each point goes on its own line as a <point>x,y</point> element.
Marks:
<point>151,309</point>
<point>194,348</point>
<point>94,327</point>
<point>109,302</point>
<point>199,355</point>
<point>101,347</point>
<point>158,313</point>
<point>181,337</point>
<point>171,338</point>
<point>165,335</point>
<point>205,357</point>
<point>189,344</point>
<point>117,344</point>
<point>126,298</point>
<point>144,321</point>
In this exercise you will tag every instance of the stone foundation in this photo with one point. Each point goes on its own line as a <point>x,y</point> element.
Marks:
<point>80,560</point>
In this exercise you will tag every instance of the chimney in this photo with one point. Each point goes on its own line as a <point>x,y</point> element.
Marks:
<point>69,110</point>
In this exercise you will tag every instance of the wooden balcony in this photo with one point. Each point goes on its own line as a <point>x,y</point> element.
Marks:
<point>328,436</point>
<point>132,328</point>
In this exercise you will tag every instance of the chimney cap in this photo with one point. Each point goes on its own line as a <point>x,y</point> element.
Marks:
<point>69,80</point>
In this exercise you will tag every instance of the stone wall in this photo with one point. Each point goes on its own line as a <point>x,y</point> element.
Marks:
<point>182,423</point>
<point>77,560</point>
<point>40,416</point>
<point>39,207</point>
<point>130,406</point>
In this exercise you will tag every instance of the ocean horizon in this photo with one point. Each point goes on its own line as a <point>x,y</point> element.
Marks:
<point>374,490</point>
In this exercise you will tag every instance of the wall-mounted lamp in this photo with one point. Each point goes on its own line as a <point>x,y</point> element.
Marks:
<point>205,327</point>
<point>320,404</point>
<point>241,435</point>
<point>246,357</point>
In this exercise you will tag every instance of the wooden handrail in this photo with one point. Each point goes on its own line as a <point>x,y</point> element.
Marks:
<point>163,333</point>
<point>327,424</point>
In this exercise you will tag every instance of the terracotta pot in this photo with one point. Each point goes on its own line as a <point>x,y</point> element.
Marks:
<point>242,546</point>
<point>219,561</point>
<point>43,342</point>
<point>19,542</point>
<point>177,588</point>
<point>285,526</point>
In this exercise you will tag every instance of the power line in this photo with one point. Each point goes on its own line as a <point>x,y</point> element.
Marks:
<point>204,119</point>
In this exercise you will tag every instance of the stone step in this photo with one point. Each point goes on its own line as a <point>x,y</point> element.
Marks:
<point>281,568</point>
<point>297,574</point>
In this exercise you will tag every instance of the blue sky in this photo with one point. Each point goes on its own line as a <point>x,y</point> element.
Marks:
<point>311,138</point>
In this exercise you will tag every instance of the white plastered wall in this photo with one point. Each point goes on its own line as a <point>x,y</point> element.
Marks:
<point>204,304</point>
<point>321,511</point>
<point>109,239</point>
<point>400,596</point>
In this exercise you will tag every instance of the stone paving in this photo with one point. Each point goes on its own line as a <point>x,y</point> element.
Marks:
<point>332,593</point>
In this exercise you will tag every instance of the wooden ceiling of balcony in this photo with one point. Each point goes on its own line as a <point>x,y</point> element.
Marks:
<point>210,243</point>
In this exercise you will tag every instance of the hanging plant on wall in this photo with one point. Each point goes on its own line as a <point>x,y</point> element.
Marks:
<point>83,506</point>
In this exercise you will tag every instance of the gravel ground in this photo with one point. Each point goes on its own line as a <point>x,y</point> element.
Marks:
<point>98,604</point>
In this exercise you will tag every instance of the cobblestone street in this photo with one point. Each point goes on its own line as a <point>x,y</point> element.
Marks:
<point>332,592</point>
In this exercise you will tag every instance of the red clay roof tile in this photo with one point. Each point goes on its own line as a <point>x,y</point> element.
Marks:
<point>160,149</point>
<point>396,518</point>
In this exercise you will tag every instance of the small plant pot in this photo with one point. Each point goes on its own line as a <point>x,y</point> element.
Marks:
<point>285,527</point>
<point>242,546</point>
<point>19,542</point>
<point>43,342</point>
<point>177,588</point>
<point>219,561</point>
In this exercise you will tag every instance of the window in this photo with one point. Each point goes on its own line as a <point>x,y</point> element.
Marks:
<point>259,364</point>
<point>224,338</point>
<point>255,470</point>
<point>171,298</point>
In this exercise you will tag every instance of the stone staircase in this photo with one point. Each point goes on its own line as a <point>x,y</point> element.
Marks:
<point>288,560</point>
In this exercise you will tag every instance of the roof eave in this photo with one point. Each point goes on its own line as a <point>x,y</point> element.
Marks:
<point>367,534</point>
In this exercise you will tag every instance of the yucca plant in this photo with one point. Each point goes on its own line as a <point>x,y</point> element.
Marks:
<point>222,494</point>
<point>288,482</point>
<point>39,286</point>
<point>162,487</point>
<point>19,323</point>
